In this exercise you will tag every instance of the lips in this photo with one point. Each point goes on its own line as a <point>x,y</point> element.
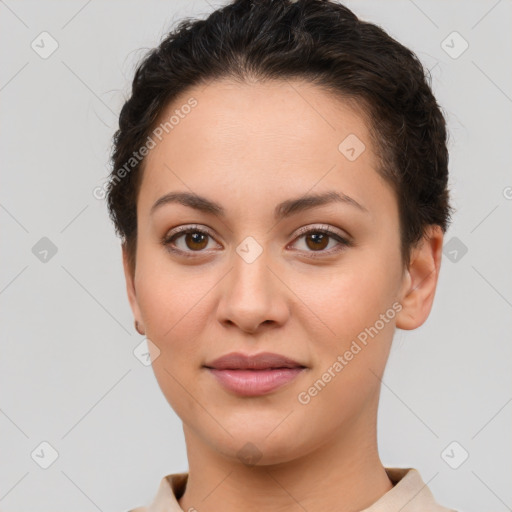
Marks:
<point>254,375</point>
<point>262,361</point>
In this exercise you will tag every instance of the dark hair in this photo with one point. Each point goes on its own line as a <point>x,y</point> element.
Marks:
<point>324,43</point>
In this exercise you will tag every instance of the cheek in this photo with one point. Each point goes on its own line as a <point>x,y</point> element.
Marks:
<point>354,318</point>
<point>349,299</point>
<point>174,306</point>
<point>169,295</point>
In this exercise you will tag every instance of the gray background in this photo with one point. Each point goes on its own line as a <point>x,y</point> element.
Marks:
<point>68,373</point>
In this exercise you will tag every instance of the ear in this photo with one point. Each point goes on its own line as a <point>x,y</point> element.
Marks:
<point>129,275</point>
<point>420,280</point>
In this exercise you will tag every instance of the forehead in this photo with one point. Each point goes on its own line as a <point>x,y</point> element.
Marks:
<point>276,119</point>
<point>278,135</point>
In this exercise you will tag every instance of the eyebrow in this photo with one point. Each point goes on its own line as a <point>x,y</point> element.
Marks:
<point>282,210</point>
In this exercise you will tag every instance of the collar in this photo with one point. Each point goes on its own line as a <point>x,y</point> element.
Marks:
<point>409,494</point>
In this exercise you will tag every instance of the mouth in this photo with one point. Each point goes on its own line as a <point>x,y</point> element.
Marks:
<point>254,375</point>
<point>262,361</point>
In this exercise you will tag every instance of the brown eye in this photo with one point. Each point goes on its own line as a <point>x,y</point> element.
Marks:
<point>317,241</point>
<point>187,240</point>
<point>196,240</point>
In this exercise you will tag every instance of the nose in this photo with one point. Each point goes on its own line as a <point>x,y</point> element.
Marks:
<point>253,296</point>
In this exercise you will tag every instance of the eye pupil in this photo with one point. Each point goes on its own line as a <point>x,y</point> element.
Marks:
<point>319,240</point>
<point>196,238</point>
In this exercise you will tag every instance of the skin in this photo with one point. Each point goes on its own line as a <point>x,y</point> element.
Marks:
<point>249,147</point>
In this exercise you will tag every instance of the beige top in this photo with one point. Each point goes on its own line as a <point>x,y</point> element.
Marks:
<point>409,494</point>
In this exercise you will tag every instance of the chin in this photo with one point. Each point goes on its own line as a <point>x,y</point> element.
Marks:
<point>256,447</point>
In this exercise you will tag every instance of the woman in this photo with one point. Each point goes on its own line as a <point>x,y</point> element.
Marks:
<point>279,184</point>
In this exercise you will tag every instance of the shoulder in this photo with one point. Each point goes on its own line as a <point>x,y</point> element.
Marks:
<point>409,494</point>
<point>169,491</point>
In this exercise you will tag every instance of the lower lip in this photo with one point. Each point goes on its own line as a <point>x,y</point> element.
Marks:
<point>255,382</point>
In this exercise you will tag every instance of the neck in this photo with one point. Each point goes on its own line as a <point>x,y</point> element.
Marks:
<point>342,475</point>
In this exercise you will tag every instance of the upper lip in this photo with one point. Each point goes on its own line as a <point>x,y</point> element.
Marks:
<point>261,361</point>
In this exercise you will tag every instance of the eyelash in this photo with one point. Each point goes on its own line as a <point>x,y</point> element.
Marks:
<point>167,240</point>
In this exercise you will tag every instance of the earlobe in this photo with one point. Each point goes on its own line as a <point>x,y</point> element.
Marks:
<point>420,280</point>
<point>130,288</point>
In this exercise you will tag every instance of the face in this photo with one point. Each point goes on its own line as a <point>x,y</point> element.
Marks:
<point>259,277</point>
